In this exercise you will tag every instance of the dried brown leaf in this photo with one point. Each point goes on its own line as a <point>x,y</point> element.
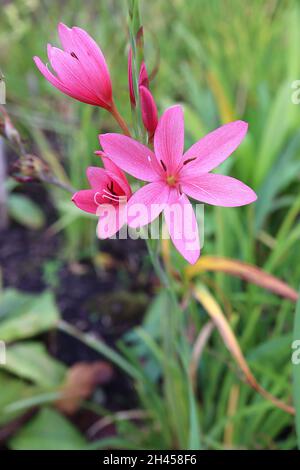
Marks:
<point>80,383</point>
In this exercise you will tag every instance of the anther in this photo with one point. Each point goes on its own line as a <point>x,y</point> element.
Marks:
<point>189,160</point>
<point>163,165</point>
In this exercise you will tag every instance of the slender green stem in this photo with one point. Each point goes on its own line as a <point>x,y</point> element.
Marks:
<point>100,347</point>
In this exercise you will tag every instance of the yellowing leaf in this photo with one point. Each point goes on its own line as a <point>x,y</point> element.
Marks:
<point>214,311</point>
<point>244,271</point>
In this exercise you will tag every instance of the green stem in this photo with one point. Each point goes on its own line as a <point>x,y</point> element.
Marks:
<point>173,316</point>
<point>100,347</point>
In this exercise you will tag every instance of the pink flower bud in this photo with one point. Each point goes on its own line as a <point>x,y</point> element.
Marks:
<point>80,68</point>
<point>149,110</point>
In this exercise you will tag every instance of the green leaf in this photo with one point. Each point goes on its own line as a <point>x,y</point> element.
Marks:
<point>282,173</point>
<point>30,360</point>
<point>11,391</point>
<point>25,211</point>
<point>195,433</point>
<point>39,316</point>
<point>274,133</point>
<point>275,349</point>
<point>13,301</point>
<point>48,431</point>
<point>296,373</point>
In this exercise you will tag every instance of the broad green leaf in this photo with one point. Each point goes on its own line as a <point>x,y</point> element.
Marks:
<point>39,316</point>
<point>48,430</point>
<point>25,211</point>
<point>13,390</point>
<point>13,301</point>
<point>30,360</point>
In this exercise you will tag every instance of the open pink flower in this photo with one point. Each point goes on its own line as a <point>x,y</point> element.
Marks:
<point>173,175</point>
<point>80,69</point>
<point>107,197</point>
<point>148,105</point>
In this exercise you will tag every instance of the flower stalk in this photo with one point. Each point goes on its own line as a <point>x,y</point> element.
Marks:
<point>117,116</point>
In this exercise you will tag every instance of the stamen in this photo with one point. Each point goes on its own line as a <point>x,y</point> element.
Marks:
<point>111,188</point>
<point>74,55</point>
<point>120,199</point>
<point>110,195</point>
<point>114,197</point>
<point>189,160</point>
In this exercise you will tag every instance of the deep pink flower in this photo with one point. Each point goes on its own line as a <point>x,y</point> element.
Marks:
<point>107,197</point>
<point>174,175</point>
<point>148,105</point>
<point>80,69</point>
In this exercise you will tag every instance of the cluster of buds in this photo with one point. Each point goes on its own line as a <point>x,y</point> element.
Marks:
<point>30,168</point>
<point>9,131</point>
<point>148,105</point>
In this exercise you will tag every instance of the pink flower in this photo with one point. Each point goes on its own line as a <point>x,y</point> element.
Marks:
<point>173,175</point>
<point>107,197</point>
<point>148,105</point>
<point>80,69</point>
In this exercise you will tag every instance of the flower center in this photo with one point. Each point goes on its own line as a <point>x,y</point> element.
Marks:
<point>171,180</point>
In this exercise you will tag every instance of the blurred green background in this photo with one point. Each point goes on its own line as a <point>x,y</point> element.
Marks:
<point>222,60</point>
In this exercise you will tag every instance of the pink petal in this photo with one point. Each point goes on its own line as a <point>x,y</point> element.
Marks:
<point>56,82</point>
<point>111,219</point>
<point>85,200</point>
<point>90,60</point>
<point>214,148</point>
<point>182,225</point>
<point>117,174</point>
<point>111,166</point>
<point>97,177</point>
<point>66,37</point>
<point>219,190</point>
<point>94,62</point>
<point>70,72</point>
<point>169,138</point>
<point>130,155</point>
<point>147,203</point>
<point>149,110</point>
